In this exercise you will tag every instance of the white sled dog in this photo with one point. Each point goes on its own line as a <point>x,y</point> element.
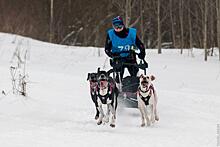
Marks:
<point>147,100</point>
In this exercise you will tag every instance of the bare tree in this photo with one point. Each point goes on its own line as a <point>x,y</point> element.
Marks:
<point>210,29</point>
<point>181,24</point>
<point>190,51</point>
<point>18,69</point>
<point>190,25</point>
<point>218,24</point>
<point>172,23</point>
<point>51,20</point>
<point>205,28</point>
<point>80,22</point>
<point>69,6</point>
<point>142,20</point>
<point>159,27</point>
<point>127,13</point>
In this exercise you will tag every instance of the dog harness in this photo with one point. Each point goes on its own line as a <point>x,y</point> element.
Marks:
<point>104,98</point>
<point>146,99</point>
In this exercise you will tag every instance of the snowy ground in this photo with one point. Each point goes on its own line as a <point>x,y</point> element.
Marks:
<point>59,112</point>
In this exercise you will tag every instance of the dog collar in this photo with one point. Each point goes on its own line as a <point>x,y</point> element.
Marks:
<point>139,88</point>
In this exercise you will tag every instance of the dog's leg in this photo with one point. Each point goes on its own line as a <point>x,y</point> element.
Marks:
<point>146,115</point>
<point>101,115</point>
<point>115,103</point>
<point>95,101</point>
<point>116,99</point>
<point>97,113</point>
<point>155,106</point>
<point>106,118</point>
<point>142,117</point>
<point>141,108</point>
<point>112,124</point>
<point>152,113</point>
<point>112,110</point>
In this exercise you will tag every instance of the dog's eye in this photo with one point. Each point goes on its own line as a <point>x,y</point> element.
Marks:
<point>148,77</point>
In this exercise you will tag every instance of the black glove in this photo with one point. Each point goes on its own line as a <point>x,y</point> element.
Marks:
<point>141,55</point>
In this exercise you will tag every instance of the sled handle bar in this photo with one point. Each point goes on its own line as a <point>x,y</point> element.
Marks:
<point>142,65</point>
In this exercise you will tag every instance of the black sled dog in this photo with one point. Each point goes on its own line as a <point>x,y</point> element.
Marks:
<point>107,94</point>
<point>92,78</point>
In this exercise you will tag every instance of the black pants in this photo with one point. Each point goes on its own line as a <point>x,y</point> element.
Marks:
<point>119,65</point>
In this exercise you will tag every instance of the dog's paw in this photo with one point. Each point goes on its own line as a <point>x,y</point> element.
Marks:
<point>148,124</point>
<point>99,122</point>
<point>143,124</point>
<point>96,117</point>
<point>157,118</point>
<point>112,125</point>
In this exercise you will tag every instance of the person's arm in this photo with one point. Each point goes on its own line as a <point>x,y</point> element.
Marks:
<point>108,46</point>
<point>140,45</point>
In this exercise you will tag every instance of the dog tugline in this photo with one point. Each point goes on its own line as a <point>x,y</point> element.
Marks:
<point>107,88</point>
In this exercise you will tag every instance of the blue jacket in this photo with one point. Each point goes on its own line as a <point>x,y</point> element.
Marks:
<point>122,46</point>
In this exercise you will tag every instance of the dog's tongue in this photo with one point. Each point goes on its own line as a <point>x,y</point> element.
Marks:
<point>144,84</point>
<point>103,84</point>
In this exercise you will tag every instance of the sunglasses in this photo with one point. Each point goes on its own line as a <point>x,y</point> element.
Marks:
<point>118,26</point>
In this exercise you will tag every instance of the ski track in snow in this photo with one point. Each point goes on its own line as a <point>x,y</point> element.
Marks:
<point>59,112</point>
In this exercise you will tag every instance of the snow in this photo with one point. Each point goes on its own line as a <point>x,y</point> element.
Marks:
<point>59,112</point>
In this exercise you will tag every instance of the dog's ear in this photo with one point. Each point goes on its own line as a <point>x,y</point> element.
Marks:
<point>152,77</point>
<point>98,70</point>
<point>110,71</point>
<point>141,76</point>
<point>88,76</point>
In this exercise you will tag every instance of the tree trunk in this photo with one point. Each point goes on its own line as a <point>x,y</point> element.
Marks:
<point>172,24</point>
<point>127,13</point>
<point>205,30</point>
<point>142,20</point>
<point>210,34</point>
<point>190,26</point>
<point>69,6</point>
<point>190,30</point>
<point>159,27</point>
<point>51,21</point>
<point>218,24</point>
<point>181,24</point>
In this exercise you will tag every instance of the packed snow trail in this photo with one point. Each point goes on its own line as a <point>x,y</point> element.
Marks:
<point>59,112</point>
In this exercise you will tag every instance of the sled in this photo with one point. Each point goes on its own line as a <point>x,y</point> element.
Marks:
<point>128,85</point>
